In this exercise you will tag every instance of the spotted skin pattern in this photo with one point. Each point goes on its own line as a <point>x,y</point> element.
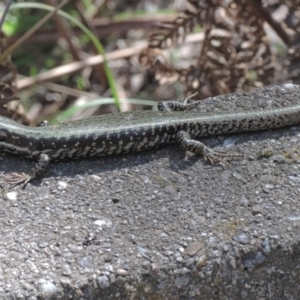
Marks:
<point>129,132</point>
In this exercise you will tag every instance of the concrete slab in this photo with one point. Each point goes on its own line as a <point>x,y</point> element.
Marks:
<point>161,224</point>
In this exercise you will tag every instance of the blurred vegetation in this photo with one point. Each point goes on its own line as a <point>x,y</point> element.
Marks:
<point>156,50</point>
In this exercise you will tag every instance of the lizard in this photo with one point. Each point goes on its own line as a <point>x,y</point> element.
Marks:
<point>128,132</point>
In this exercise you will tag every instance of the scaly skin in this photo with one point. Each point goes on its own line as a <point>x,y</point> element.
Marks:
<point>135,131</point>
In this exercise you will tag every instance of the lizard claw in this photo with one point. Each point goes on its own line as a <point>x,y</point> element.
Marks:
<point>220,157</point>
<point>15,179</point>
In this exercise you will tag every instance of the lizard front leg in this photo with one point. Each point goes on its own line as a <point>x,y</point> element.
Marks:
<point>175,105</point>
<point>15,179</point>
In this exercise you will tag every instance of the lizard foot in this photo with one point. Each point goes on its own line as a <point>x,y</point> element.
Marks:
<point>221,157</point>
<point>15,179</point>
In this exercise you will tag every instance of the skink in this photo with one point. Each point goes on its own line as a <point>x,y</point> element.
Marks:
<point>135,131</point>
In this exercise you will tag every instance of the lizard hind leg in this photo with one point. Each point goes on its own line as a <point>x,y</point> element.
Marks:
<point>213,156</point>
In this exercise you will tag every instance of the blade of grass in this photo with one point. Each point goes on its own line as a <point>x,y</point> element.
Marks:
<point>91,36</point>
<point>37,26</point>
<point>6,9</point>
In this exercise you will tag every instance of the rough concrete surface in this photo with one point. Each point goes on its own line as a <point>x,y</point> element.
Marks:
<point>161,224</point>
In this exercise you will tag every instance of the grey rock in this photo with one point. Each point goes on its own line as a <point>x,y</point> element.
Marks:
<point>66,270</point>
<point>266,246</point>
<point>242,238</point>
<point>47,289</point>
<point>103,281</point>
<point>160,224</point>
<point>201,262</point>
